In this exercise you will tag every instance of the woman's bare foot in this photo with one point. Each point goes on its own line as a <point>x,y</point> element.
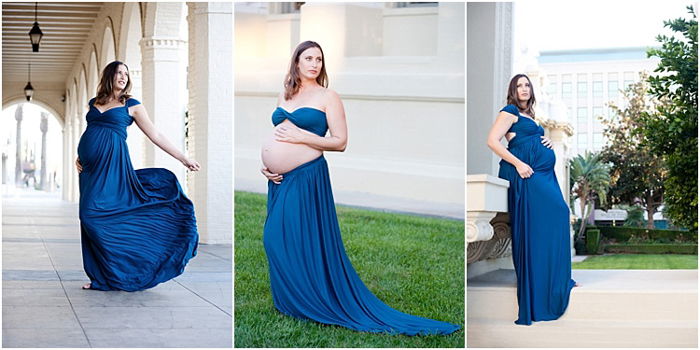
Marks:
<point>577,285</point>
<point>87,286</point>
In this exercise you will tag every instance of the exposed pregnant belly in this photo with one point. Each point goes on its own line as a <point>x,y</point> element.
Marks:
<point>281,157</point>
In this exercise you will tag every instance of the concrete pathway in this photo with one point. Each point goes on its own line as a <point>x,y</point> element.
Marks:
<point>44,306</point>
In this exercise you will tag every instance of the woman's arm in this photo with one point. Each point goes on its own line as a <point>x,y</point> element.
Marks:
<point>144,123</point>
<point>500,127</point>
<point>335,116</point>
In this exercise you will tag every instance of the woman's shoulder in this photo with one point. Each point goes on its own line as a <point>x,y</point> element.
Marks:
<point>132,102</point>
<point>511,109</point>
<point>330,95</point>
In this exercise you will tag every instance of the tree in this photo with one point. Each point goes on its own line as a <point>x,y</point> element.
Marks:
<point>637,174</point>
<point>671,131</point>
<point>590,178</point>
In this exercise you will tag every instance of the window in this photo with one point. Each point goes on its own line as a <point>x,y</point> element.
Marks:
<point>598,89</point>
<point>597,140</point>
<point>582,142</point>
<point>582,88</point>
<point>582,92</point>
<point>416,4</point>
<point>629,79</point>
<point>566,87</point>
<point>582,119</point>
<point>613,89</point>
<point>566,90</point>
<point>286,7</point>
<point>597,114</point>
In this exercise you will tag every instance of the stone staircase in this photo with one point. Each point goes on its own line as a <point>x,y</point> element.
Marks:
<point>612,308</point>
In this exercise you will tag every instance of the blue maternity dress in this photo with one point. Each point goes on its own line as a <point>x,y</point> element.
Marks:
<point>310,274</point>
<point>138,228</point>
<point>539,221</point>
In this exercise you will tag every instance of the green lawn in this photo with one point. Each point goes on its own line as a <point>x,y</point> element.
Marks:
<point>638,262</point>
<point>414,264</point>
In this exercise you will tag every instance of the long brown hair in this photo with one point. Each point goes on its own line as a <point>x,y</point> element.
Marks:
<point>513,95</point>
<point>292,82</point>
<point>105,87</point>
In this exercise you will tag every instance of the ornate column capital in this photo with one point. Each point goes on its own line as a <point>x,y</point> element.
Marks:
<point>479,225</point>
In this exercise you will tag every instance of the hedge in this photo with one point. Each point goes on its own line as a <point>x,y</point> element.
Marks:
<point>623,234</point>
<point>592,241</point>
<point>656,248</point>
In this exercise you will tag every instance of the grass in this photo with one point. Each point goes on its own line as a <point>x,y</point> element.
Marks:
<point>414,264</point>
<point>638,262</point>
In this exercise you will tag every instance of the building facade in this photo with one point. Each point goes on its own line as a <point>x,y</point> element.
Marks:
<point>586,81</point>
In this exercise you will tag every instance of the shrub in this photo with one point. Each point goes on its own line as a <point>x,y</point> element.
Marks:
<point>625,234</point>
<point>657,248</point>
<point>592,241</point>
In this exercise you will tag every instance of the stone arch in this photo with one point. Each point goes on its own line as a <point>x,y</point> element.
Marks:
<point>130,35</point>
<point>19,98</point>
<point>107,54</point>
<point>92,75</point>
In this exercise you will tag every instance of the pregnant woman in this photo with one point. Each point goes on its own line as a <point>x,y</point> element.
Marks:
<point>311,276</point>
<point>138,228</point>
<point>539,216</point>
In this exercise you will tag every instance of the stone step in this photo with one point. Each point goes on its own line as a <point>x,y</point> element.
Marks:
<point>567,333</point>
<point>611,308</point>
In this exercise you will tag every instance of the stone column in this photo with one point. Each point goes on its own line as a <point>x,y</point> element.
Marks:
<point>210,123</point>
<point>135,139</point>
<point>4,167</point>
<point>75,182</point>
<point>65,184</point>
<point>44,127</point>
<point>18,142</point>
<point>163,87</point>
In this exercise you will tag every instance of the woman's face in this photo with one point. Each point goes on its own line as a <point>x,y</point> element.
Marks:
<point>121,78</point>
<point>523,89</point>
<point>310,63</point>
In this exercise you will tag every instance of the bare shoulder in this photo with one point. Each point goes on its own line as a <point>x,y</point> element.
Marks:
<point>503,115</point>
<point>331,97</point>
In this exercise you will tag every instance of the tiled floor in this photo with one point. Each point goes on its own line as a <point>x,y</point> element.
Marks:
<point>44,306</point>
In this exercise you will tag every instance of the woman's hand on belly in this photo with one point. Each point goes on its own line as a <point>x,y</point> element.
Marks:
<point>288,132</point>
<point>276,178</point>
<point>280,157</point>
<point>546,142</point>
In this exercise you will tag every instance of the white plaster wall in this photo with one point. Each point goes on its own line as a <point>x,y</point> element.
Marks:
<point>410,31</point>
<point>488,73</point>
<point>405,113</point>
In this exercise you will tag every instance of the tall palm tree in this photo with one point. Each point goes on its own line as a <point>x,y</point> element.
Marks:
<point>590,179</point>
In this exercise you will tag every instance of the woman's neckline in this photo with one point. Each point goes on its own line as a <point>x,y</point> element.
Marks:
<point>302,107</point>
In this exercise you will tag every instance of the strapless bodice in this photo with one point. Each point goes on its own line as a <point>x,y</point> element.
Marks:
<point>307,118</point>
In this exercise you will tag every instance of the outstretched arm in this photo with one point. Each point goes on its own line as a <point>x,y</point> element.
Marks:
<point>335,116</point>
<point>144,123</point>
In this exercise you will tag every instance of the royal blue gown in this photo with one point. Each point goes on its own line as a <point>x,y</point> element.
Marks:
<point>138,228</point>
<point>539,223</point>
<point>311,276</point>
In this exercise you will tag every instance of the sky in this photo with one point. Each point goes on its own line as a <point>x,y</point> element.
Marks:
<point>561,25</point>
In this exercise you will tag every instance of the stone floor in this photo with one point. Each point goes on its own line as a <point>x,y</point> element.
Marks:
<point>44,306</point>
